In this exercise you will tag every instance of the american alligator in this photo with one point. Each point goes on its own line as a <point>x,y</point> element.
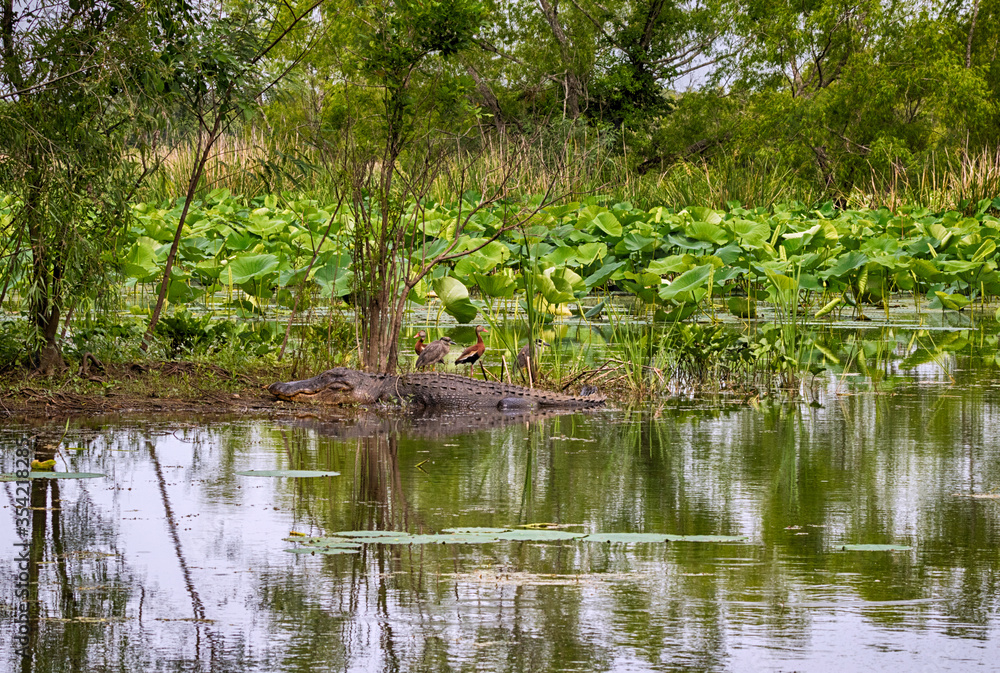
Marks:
<point>341,385</point>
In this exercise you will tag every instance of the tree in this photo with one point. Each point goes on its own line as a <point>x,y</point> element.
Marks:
<point>406,130</point>
<point>216,76</point>
<point>73,83</point>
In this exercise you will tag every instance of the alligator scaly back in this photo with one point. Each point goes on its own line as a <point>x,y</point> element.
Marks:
<point>450,390</point>
<point>349,386</point>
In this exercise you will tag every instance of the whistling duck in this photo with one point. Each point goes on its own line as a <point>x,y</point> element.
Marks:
<point>420,345</point>
<point>434,352</point>
<point>472,354</point>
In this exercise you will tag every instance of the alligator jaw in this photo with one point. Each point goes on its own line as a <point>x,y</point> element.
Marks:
<point>334,386</point>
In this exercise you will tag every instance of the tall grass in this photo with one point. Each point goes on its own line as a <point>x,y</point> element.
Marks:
<point>570,161</point>
<point>943,181</point>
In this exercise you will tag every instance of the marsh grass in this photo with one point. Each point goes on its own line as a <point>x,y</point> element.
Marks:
<point>944,181</point>
<point>572,161</point>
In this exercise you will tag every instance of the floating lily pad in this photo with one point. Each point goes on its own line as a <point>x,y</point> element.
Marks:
<point>539,535</point>
<point>52,475</point>
<point>484,531</point>
<point>325,542</point>
<point>469,538</point>
<point>334,545</point>
<point>370,533</point>
<point>328,551</point>
<point>297,474</point>
<point>707,538</point>
<point>402,538</point>
<point>876,547</point>
<point>626,538</point>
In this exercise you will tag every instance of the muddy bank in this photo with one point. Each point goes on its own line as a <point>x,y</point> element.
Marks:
<point>137,387</point>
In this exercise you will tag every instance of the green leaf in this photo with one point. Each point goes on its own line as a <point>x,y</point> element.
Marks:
<point>555,290</point>
<point>606,272</point>
<point>533,535</point>
<point>954,302</point>
<point>608,223</point>
<point>626,538</point>
<point>672,264</point>
<point>501,284</point>
<point>140,260</point>
<point>705,231</point>
<point>706,214</point>
<point>876,547</point>
<point>689,280</point>
<point>250,267</point>
<point>52,475</point>
<point>455,297</point>
<point>587,253</point>
<point>845,263</point>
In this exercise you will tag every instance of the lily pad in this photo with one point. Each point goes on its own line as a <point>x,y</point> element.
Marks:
<point>298,474</point>
<point>626,538</point>
<point>370,533</point>
<point>707,538</point>
<point>876,547</point>
<point>539,535</point>
<point>329,551</point>
<point>324,542</point>
<point>404,538</point>
<point>484,531</point>
<point>52,475</point>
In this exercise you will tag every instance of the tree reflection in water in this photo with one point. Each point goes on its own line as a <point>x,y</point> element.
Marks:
<point>175,562</point>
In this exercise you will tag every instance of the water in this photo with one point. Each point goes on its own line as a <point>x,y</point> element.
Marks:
<point>173,562</point>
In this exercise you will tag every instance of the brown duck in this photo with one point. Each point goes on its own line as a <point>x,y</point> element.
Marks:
<point>472,354</point>
<point>434,352</point>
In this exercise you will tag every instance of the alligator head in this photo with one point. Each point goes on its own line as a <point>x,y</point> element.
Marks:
<point>339,385</point>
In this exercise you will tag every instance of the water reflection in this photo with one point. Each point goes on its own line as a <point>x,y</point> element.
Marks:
<point>174,562</point>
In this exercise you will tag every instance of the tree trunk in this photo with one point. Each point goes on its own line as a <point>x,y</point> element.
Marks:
<point>202,159</point>
<point>572,87</point>
<point>44,305</point>
<point>972,33</point>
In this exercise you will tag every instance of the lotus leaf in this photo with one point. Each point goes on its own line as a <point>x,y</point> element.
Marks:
<point>370,533</point>
<point>52,475</point>
<point>707,232</point>
<point>607,272</point>
<point>539,535</point>
<point>587,253</point>
<point>501,284</point>
<point>705,214</point>
<point>455,297</point>
<point>140,260</point>
<point>251,267</point>
<point>707,538</point>
<point>876,547</point>
<point>326,551</point>
<point>595,216</point>
<point>626,538</point>
<point>687,281</point>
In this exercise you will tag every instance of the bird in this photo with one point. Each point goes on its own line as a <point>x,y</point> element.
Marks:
<point>472,354</point>
<point>434,352</point>
<point>420,345</point>
<point>524,355</point>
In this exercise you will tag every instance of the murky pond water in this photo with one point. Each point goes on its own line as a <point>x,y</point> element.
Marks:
<point>173,561</point>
